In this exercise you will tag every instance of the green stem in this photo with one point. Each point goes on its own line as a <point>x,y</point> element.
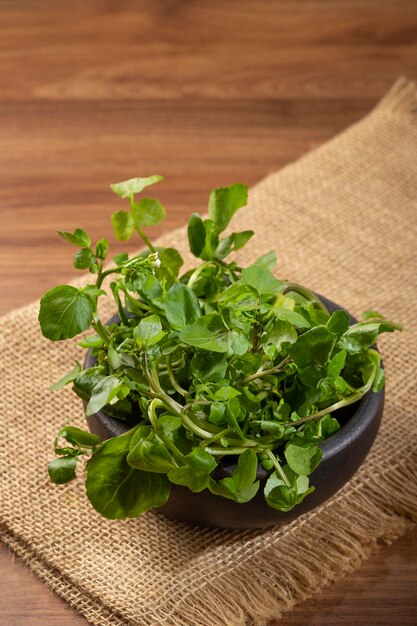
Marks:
<point>377,320</point>
<point>228,451</point>
<point>145,239</point>
<point>102,275</point>
<point>178,409</point>
<point>197,403</point>
<point>214,438</point>
<point>247,422</point>
<point>174,406</point>
<point>226,266</point>
<point>278,467</point>
<point>237,444</point>
<point>120,309</point>
<point>261,373</point>
<point>174,383</point>
<point>155,404</point>
<point>306,293</point>
<point>163,366</point>
<point>152,377</point>
<point>100,330</point>
<point>198,430</point>
<point>153,382</point>
<point>194,276</point>
<point>256,334</point>
<point>190,425</point>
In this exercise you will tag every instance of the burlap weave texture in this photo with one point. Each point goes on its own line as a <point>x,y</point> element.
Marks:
<point>343,221</point>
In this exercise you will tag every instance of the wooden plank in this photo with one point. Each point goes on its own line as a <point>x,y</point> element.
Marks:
<point>57,160</point>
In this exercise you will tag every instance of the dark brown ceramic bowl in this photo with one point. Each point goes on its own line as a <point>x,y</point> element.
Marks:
<point>343,453</point>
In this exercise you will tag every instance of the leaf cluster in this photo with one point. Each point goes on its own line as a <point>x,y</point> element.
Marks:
<point>219,363</point>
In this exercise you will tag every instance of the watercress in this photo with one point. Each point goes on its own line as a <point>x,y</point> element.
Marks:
<point>216,362</point>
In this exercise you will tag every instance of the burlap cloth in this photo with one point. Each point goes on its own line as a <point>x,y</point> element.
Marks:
<point>343,221</point>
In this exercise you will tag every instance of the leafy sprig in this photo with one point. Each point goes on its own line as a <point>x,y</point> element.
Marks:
<point>220,362</point>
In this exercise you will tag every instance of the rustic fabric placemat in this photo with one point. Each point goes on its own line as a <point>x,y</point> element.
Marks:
<point>344,222</point>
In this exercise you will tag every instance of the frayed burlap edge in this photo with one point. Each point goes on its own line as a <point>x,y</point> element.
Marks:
<point>268,585</point>
<point>346,530</point>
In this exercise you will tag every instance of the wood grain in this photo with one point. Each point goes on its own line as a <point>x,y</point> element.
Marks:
<point>205,93</point>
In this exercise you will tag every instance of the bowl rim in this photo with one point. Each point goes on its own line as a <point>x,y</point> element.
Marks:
<point>358,422</point>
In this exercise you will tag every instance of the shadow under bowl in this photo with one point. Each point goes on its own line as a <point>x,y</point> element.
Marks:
<point>343,454</point>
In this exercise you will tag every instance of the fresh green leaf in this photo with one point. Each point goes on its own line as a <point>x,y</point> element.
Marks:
<point>328,425</point>
<point>103,393</point>
<point>170,264</point>
<point>149,331</point>
<point>78,238</point>
<point>217,413</point>
<point>62,469</point>
<point>196,234</point>
<point>234,242</point>
<point>338,323</point>
<point>313,348</point>
<point>69,377</point>
<point>240,343</point>
<point>303,459</point>
<point>84,259</point>
<point>93,292</point>
<point>147,212</point>
<point>118,491</point>
<point>209,366</point>
<point>280,334</point>
<point>224,202</point>
<point>281,497</point>
<point>268,260</point>
<point>171,426</point>
<point>336,364</point>
<point>87,380</point>
<point>284,495</point>
<point>118,358</point>
<point>275,428</point>
<point>91,342</point>
<point>371,315</point>
<point>250,401</point>
<point>259,277</point>
<point>212,240</point>
<point>80,437</point>
<point>242,485</point>
<point>128,188</point>
<point>361,336</point>
<point>102,248</point>
<point>149,288</point>
<point>123,225</point>
<point>65,311</point>
<point>379,380</point>
<point>148,454</point>
<point>292,317</point>
<point>196,473</point>
<point>207,333</point>
<point>225,393</point>
<point>121,259</point>
<point>181,306</point>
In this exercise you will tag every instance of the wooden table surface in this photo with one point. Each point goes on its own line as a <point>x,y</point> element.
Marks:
<point>205,93</point>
